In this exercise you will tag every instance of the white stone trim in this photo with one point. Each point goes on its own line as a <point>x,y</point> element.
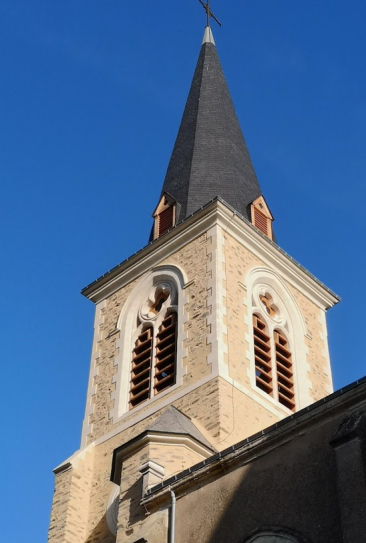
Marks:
<point>217,302</point>
<point>152,474</point>
<point>166,439</point>
<point>151,256</point>
<point>152,467</point>
<point>73,461</point>
<point>325,352</point>
<point>210,219</point>
<point>89,408</point>
<point>137,415</point>
<point>277,409</point>
<point>127,326</point>
<point>198,224</point>
<point>292,324</point>
<point>261,398</point>
<point>274,258</point>
<point>131,418</point>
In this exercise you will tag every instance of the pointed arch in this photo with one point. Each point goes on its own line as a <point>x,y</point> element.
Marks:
<point>266,277</point>
<point>271,300</point>
<point>156,296</point>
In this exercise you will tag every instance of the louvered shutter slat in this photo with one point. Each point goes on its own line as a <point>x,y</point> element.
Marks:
<point>284,370</point>
<point>141,369</point>
<point>166,220</point>
<point>166,350</point>
<point>260,221</point>
<point>262,356</point>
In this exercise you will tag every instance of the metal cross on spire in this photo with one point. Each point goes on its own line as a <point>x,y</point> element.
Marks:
<point>209,12</point>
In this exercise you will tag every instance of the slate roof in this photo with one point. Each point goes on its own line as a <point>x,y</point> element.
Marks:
<point>326,406</point>
<point>210,157</point>
<point>172,421</point>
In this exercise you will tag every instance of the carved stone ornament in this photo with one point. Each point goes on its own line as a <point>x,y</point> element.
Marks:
<point>265,299</point>
<point>158,296</point>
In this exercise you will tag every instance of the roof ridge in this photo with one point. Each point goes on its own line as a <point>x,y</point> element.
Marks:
<point>172,421</point>
<point>195,131</point>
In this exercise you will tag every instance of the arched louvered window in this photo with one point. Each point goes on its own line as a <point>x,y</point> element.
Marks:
<point>166,349</point>
<point>272,354</point>
<point>154,355</point>
<point>140,384</point>
<point>285,376</point>
<point>262,356</point>
<point>151,336</point>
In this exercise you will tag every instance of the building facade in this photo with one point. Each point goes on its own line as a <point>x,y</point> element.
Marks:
<point>205,417</point>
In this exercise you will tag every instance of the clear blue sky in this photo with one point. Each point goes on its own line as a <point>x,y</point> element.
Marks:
<point>91,97</point>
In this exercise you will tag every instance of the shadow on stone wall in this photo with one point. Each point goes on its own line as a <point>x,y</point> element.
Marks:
<point>101,533</point>
<point>137,513</point>
<point>293,486</point>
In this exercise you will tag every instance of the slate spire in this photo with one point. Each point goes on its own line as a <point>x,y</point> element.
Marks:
<point>210,157</point>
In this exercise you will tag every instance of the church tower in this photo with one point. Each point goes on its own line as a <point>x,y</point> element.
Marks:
<point>206,336</point>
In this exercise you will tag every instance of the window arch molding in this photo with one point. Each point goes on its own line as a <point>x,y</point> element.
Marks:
<point>288,320</point>
<point>276,535</point>
<point>132,311</point>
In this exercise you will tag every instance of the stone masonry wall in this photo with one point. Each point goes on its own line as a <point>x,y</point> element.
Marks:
<point>132,516</point>
<point>70,507</point>
<point>316,342</point>
<point>200,404</point>
<point>224,413</point>
<point>193,259</point>
<point>57,532</point>
<point>238,261</point>
<point>240,416</point>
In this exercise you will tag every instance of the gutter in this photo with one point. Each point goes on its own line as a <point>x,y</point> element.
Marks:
<point>171,536</point>
<point>341,401</point>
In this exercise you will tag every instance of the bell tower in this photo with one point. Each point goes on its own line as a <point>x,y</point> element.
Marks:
<point>204,337</point>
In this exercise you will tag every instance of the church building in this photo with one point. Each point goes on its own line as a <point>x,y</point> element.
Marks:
<point>210,412</point>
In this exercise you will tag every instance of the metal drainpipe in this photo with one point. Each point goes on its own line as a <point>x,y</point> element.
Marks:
<point>172,517</point>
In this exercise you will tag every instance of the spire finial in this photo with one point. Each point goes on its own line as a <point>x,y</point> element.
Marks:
<point>209,12</point>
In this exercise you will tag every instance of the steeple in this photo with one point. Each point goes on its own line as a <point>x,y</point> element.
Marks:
<point>202,339</point>
<point>210,157</point>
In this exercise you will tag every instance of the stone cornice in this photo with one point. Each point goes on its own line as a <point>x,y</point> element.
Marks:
<point>275,258</point>
<point>219,213</point>
<point>151,255</point>
<point>157,438</point>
